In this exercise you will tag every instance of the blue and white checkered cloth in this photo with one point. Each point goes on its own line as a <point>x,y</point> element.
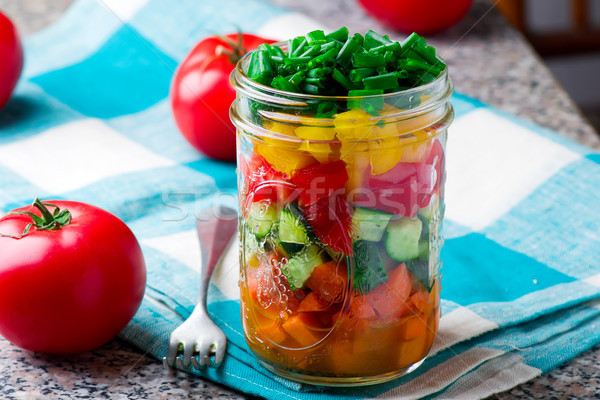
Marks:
<point>90,121</point>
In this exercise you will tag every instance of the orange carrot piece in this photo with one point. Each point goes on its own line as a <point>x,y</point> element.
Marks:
<point>415,327</point>
<point>325,318</point>
<point>414,350</point>
<point>328,281</point>
<point>389,297</point>
<point>311,320</point>
<point>274,332</point>
<point>362,308</point>
<point>312,303</point>
<point>299,331</point>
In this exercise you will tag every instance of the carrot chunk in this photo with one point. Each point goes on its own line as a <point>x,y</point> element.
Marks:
<point>312,303</point>
<point>300,332</point>
<point>329,281</point>
<point>389,297</point>
<point>274,332</point>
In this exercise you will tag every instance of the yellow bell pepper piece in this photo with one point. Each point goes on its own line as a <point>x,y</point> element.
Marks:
<point>280,127</point>
<point>315,133</point>
<point>413,151</point>
<point>353,125</point>
<point>284,160</point>
<point>356,157</point>
<point>320,151</point>
<point>283,155</point>
<point>384,154</point>
<point>424,134</point>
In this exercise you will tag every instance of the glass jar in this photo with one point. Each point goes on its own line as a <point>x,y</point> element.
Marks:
<point>341,204</point>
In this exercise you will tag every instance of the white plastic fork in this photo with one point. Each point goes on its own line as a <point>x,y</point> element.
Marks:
<point>199,341</point>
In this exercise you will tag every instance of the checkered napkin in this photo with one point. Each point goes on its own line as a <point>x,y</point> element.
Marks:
<point>90,121</point>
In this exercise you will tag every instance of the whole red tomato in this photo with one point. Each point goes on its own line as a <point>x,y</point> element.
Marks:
<point>71,283</point>
<point>421,16</point>
<point>11,58</point>
<point>201,93</point>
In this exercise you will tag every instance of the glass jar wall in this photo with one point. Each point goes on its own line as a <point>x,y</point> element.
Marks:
<point>341,204</point>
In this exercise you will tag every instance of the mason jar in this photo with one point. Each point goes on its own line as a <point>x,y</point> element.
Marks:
<point>341,205</point>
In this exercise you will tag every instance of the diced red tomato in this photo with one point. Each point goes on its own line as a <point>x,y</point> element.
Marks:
<point>318,181</point>
<point>263,182</point>
<point>394,191</point>
<point>406,187</point>
<point>331,221</point>
<point>432,173</point>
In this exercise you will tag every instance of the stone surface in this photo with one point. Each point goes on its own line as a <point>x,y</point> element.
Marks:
<point>488,61</point>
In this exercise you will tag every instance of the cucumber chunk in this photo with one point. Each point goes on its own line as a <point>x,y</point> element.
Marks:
<point>302,264</point>
<point>261,218</point>
<point>291,248</point>
<point>420,266</point>
<point>402,241</point>
<point>291,228</point>
<point>369,224</point>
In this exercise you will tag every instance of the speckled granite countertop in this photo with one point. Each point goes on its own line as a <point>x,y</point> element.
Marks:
<point>488,61</point>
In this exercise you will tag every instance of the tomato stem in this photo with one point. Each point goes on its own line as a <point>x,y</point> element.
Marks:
<point>46,214</point>
<point>237,49</point>
<point>49,221</point>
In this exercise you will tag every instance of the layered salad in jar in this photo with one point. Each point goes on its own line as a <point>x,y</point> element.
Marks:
<point>341,144</point>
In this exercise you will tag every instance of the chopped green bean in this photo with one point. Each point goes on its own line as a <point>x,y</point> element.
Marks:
<point>358,74</point>
<point>292,44</point>
<point>426,55</point>
<point>315,37</point>
<point>339,35</point>
<point>297,78</point>
<point>417,66</point>
<point>412,39</point>
<point>346,52</point>
<point>317,72</point>
<point>387,81</point>
<point>325,58</point>
<point>389,57</point>
<point>343,80</point>
<point>381,70</point>
<point>341,64</point>
<point>310,88</point>
<point>311,51</point>
<point>326,109</point>
<point>319,82</point>
<point>393,47</point>
<point>367,99</point>
<point>367,60</point>
<point>299,48</point>
<point>261,69</point>
<point>279,82</point>
<point>277,51</point>
<point>329,45</point>
<point>297,60</point>
<point>374,39</point>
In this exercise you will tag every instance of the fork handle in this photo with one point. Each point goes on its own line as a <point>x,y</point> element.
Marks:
<point>215,229</point>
